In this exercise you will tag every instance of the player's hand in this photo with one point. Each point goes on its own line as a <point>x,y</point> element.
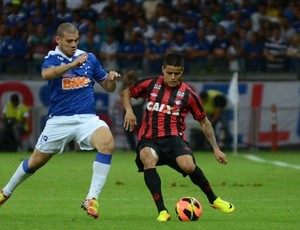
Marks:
<point>129,121</point>
<point>81,59</point>
<point>113,75</point>
<point>220,157</point>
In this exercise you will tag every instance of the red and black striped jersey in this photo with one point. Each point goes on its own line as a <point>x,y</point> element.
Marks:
<point>166,107</point>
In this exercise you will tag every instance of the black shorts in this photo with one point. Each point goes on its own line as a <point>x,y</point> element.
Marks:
<point>167,149</point>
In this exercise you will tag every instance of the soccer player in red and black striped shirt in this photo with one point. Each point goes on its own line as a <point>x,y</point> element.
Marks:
<point>161,138</point>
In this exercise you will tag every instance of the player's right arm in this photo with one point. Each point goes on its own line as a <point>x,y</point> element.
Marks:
<point>56,71</point>
<point>129,118</point>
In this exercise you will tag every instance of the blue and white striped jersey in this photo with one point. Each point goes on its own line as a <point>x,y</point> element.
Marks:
<point>73,92</point>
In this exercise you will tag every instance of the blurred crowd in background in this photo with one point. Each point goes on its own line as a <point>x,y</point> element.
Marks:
<point>214,36</point>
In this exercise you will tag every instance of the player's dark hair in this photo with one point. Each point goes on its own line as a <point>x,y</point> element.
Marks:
<point>173,60</point>
<point>66,28</point>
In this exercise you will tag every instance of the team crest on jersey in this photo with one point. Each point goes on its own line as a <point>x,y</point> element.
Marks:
<point>180,94</point>
<point>157,87</point>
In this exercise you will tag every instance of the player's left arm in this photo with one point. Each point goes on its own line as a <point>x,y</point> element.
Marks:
<point>109,83</point>
<point>209,133</point>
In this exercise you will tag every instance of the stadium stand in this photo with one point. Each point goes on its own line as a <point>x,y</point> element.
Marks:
<point>210,32</point>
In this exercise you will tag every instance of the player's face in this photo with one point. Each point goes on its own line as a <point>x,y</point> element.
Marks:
<point>68,43</point>
<point>172,75</point>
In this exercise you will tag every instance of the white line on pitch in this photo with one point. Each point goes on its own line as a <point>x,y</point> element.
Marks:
<point>278,163</point>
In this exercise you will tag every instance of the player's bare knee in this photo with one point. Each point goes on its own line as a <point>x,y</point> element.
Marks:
<point>188,168</point>
<point>149,157</point>
<point>102,140</point>
<point>107,146</point>
<point>149,163</point>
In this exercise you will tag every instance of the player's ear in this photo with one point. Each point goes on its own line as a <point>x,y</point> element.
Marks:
<point>57,39</point>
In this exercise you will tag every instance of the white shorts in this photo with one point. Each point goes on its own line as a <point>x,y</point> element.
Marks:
<point>60,130</point>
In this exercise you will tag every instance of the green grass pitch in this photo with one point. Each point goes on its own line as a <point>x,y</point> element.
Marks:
<point>265,194</point>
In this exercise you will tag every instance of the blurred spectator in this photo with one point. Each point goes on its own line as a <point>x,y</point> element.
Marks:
<point>217,12</point>
<point>273,10</point>
<point>236,23</point>
<point>131,52</point>
<point>163,26</point>
<point>34,6</point>
<point>63,14</point>
<point>291,10</point>
<point>51,6</point>
<point>293,54</point>
<point>89,42</point>
<point>81,24</point>
<point>73,4</point>
<point>219,46</point>
<point>105,23</point>
<point>190,26</point>
<point>234,54</point>
<point>230,6</point>
<point>254,61</point>
<point>3,35</point>
<point>181,46</point>
<point>210,31</point>
<point>50,24</point>
<point>174,20</point>
<point>247,8</point>
<point>155,52</point>
<point>37,18</point>
<point>99,5</point>
<point>39,46</point>
<point>296,22</point>
<point>130,77</point>
<point>88,13</point>
<point>275,52</point>
<point>259,16</point>
<point>145,28</point>
<point>266,30</point>
<point>15,123</point>
<point>16,17</point>
<point>199,52</point>
<point>149,6</point>
<point>108,53</point>
<point>14,52</point>
<point>287,31</point>
<point>228,22</point>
